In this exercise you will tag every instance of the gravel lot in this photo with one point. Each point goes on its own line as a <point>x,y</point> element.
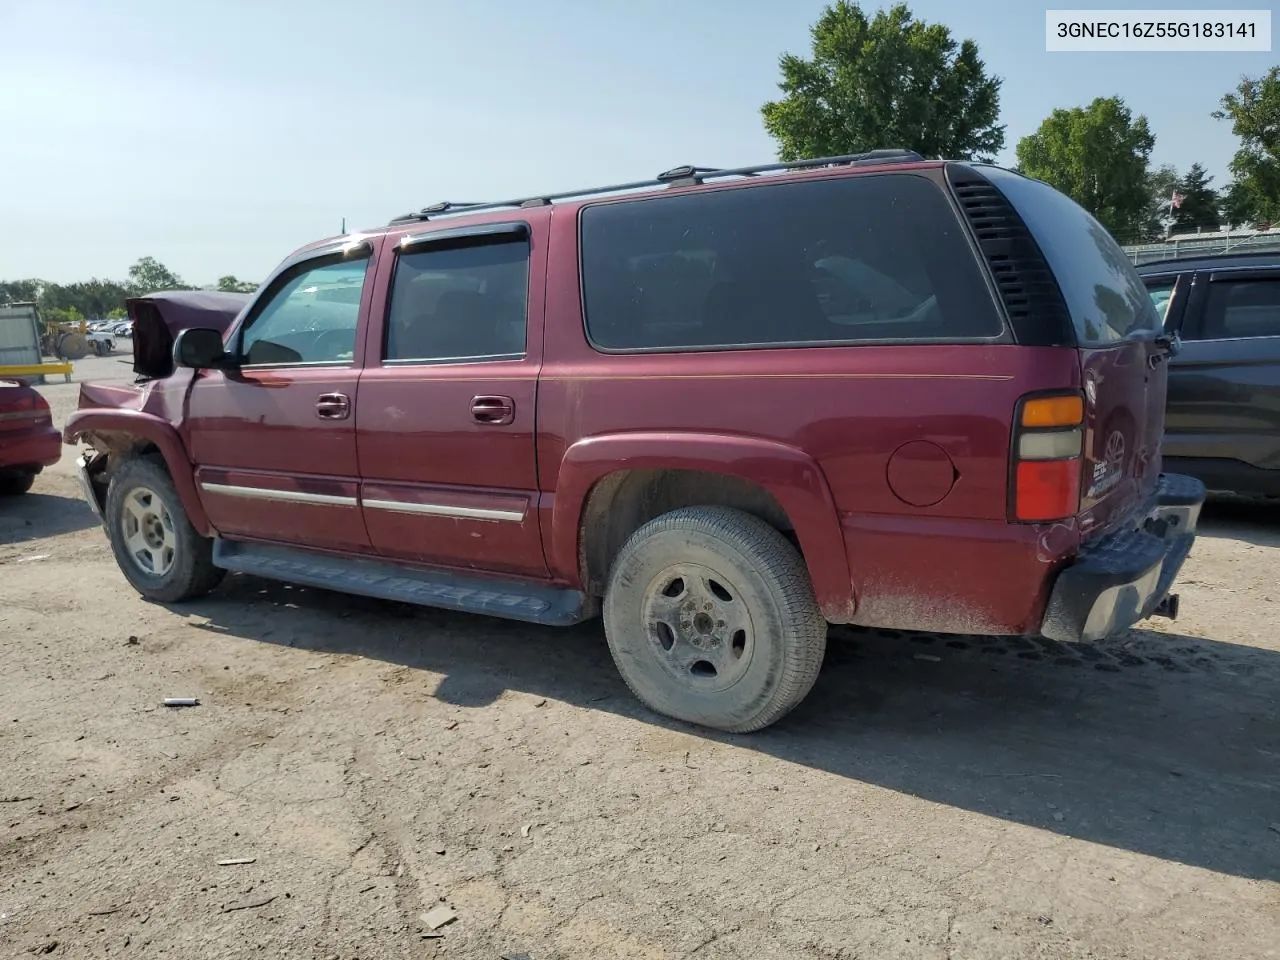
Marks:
<point>936,797</point>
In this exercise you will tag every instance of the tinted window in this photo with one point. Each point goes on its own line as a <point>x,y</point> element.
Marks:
<point>464,303</point>
<point>869,258</point>
<point>1106,297</point>
<point>1161,292</point>
<point>311,317</point>
<point>1242,308</point>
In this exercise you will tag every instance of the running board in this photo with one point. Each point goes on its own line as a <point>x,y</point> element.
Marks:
<point>510,599</point>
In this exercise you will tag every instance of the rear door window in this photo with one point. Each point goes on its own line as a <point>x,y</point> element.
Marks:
<point>1107,299</point>
<point>850,260</point>
<point>460,304</point>
<point>1242,309</point>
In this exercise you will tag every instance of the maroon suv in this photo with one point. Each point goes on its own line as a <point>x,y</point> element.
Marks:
<point>723,408</point>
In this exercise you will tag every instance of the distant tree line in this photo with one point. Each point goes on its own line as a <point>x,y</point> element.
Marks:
<point>102,299</point>
<point>890,80</point>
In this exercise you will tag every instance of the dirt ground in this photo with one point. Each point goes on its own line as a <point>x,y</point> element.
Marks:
<point>935,797</point>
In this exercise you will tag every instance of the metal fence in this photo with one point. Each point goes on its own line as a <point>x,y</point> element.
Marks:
<point>1205,245</point>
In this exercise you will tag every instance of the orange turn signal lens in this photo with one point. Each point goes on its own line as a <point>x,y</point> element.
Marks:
<point>1047,490</point>
<point>1065,411</point>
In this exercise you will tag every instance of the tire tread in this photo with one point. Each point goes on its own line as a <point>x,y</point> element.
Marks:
<point>778,561</point>
<point>194,574</point>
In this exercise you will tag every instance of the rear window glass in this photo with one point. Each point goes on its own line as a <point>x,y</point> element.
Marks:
<point>858,259</point>
<point>1107,299</point>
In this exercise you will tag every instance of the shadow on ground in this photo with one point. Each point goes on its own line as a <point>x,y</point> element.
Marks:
<point>1249,521</point>
<point>1161,744</point>
<point>36,515</point>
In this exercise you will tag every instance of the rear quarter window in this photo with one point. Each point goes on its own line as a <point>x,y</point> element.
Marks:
<point>867,259</point>
<point>1107,299</point>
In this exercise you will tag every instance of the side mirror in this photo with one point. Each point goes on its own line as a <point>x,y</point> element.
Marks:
<point>200,348</point>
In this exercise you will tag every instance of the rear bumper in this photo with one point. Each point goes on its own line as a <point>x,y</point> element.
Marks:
<point>1124,577</point>
<point>30,450</point>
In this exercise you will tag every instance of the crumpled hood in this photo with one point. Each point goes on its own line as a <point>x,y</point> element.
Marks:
<point>158,318</point>
<point>113,396</point>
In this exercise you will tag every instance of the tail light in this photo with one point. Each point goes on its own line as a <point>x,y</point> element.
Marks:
<point>28,409</point>
<point>1048,444</point>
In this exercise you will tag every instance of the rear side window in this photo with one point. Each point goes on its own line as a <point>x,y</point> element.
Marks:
<point>1107,299</point>
<point>1242,309</point>
<point>858,259</point>
<point>459,304</point>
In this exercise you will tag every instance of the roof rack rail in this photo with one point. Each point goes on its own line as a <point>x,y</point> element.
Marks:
<point>685,175</point>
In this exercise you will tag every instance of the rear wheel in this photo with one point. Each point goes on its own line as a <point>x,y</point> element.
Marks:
<point>16,483</point>
<point>711,619</point>
<point>157,549</point>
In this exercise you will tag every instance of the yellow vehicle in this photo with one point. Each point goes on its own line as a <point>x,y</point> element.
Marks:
<point>25,338</point>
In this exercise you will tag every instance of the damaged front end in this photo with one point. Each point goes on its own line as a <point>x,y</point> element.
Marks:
<point>116,421</point>
<point>158,318</point>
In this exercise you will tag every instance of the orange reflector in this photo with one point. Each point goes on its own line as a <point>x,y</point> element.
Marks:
<point>1053,412</point>
<point>1047,489</point>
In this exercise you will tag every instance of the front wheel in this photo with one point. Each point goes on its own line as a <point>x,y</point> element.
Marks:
<point>157,549</point>
<point>711,619</point>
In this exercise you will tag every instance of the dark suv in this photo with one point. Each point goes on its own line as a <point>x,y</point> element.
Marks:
<point>1222,422</point>
<point>721,407</point>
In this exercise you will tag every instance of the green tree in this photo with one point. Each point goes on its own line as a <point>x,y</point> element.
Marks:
<point>149,275</point>
<point>1239,205</point>
<point>891,81</point>
<point>1254,111</point>
<point>20,291</point>
<point>91,298</point>
<point>1201,205</point>
<point>229,284</point>
<point>1161,183</point>
<point>1099,156</point>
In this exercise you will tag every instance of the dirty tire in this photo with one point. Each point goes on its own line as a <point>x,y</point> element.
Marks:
<point>711,619</point>
<point>184,568</point>
<point>17,483</point>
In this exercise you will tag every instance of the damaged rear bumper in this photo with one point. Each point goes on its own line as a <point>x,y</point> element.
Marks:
<point>1125,577</point>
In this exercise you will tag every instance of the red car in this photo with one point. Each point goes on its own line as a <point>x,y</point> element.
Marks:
<point>29,442</point>
<point>722,408</point>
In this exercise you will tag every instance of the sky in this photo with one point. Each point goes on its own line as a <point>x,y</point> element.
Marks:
<point>218,137</point>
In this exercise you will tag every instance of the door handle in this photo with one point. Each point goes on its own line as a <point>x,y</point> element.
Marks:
<point>333,406</point>
<point>497,411</point>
